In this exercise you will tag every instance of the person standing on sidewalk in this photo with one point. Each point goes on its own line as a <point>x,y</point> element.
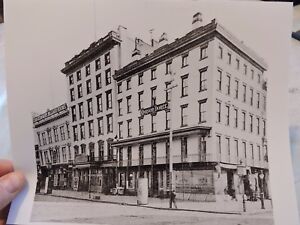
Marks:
<point>173,198</point>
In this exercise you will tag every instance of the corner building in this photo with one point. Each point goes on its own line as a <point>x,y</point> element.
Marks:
<point>218,117</point>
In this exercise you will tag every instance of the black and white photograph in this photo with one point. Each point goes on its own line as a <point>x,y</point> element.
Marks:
<point>147,112</point>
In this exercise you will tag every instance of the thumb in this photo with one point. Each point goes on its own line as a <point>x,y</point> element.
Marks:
<point>10,185</point>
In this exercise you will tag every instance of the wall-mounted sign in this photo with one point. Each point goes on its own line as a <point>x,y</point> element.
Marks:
<point>49,113</point>
<point>154,109</point>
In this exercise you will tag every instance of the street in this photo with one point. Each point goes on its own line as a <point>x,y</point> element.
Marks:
<point>56,209</point>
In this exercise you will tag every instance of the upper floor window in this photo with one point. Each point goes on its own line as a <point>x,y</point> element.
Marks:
<point>141,125</point>
<point>202,110</point>
<point>107,76</point>
<point>203,52</point>
<point>218,112</point>
<point>78,74</point>
<point>120,107</point>
<point>107,58</point>
<point>98,81</point>
<point>108,99</point>
<point>236,95</point>
<point>88,70</point>
<point>245,69</point>
<point>229,58</point>
<point>81,112</point>
<point>90,107</point>
<point>129,110</point>
<point>97,64</point>
<point>153,74</point>
<point>203,79</point>
<point>220,52</point>
<point>244,92</point>
<point>228,84</point>
<point>184,60</point>
<point>252,74</point>
<point>119,87</point>
<point>73,112</point>
<point>129,128</point>
<point>219,80</point>
<point>140,78</point>
<point>237,66</point>
<point>184,85</point>
<point>168,96</point>
<point>140,99</point>
<point>99,103</point>
<point>128,84</point>
<point>79,88</point>
<point>109,123</point>
<point>71,79</point>
<point>72,94</point>
<point>153,95</point>
<point>89,86</point>
<point>184,115</point>
<point>227,115</point>
<point>168,67</point>
<point>153,123</point>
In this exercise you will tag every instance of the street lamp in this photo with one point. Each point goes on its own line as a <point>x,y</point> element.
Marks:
<point>261,177</point>
<point>170,88</point>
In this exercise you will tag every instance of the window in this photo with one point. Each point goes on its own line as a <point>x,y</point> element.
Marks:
<point>128,84</point>
<point>120,107</point>
<point>153,123</point>
<point>203,79</point>
<point>244,92</point>
<point>202,111</point>
<point>251,123</point>
<point>120,87</point>
<point>264,102</point>
<point>203,52</point>
<point>252,151</point>
<point>184,86</point>
<point>258,125</point>
<point>141,154</point>
<point>97,64</point>
<point>236,94</point>
<point>141,125</point>
<point>237,61</point>
<point>98,81</point>
<point>236,144</point>
<point>71,79</point>
<point>252,74</point>
<point>184,149</point>
<point>129,110</point>
<point>153,153</point>
<point>90,107</point>
<point>89,86</point>
<point>245,69</point>
<point>120,130</point>
<point>75,133</point>
<point>235,118</point>
<point>167,151</point>
<point>184,115</point>
<point>259,152</point>
<point>228,148</point>
<point>101,150</point>
<point>78,74</point>
<point>258,100</point>
<point>258,78</point>
<point>73,111</point>
<point>167,90</point>
<point>121,156</point>
<point>129,155</point>
<point>245,150</point>
<point>153,95</point>
<point>140,79</point>
<point>109,123</point>
<point>244,120</point>
<point>91,128</point>
<point>99,103</point>
<point>49,136</point>
<point>228,84</point>
<point>227,114</point>
<point>39,138</point>
<point>140,99</point>
<point>251,96</point>
<point>72,94</point>
<point>229,58</point>
<point>219,80</point>
<point>219,144</point>
<point>264,127</point>
<point>218,112</point>
<point>184,60</point>
<point>79,87</point>
<point>107,76</point>
<point>129,128</point>
<point>82,131</point>
<point>108,99</point>
<point>168,67</point>
<point>88,70</point>
<point>55,134</point>
<point>167,120</point>
<point>220,52</point>
<point>100,126</point>
<point>62,133</point>
<point>153,74</point>
<point>107,58</point>
<point>81,112</point>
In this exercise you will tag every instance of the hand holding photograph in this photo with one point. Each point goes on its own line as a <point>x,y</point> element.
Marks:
<point>144,112</point>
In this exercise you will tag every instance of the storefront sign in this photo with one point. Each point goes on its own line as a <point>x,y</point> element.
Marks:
<point>154,109</point>
<point>50,113</point>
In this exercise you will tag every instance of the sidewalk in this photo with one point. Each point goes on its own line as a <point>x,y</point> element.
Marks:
<point>226,207</point>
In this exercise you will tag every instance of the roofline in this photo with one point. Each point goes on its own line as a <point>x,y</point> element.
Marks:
<point>108,41</point>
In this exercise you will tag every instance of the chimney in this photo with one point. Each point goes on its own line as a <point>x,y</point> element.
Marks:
<point>197,20</point>
<point>163,39</point>
<point>136,53</point>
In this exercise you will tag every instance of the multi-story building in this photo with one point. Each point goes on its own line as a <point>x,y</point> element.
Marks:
<point>218,116</point>
<point>53,148</point>
<point>92,94</point>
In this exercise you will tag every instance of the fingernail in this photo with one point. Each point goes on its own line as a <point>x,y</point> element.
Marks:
<point>12,182</point>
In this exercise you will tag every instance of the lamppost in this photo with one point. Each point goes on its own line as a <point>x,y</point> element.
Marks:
<point>261,177</point>
<point>170,88</point>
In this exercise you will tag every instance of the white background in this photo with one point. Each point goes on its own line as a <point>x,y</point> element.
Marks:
<point>42,35</point>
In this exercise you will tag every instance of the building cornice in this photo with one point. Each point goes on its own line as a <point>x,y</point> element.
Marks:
<point>96,48</point>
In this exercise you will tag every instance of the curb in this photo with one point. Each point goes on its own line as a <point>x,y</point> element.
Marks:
<point>151,207</point>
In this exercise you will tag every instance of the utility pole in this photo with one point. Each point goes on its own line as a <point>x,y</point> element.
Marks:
<point>170,88</point>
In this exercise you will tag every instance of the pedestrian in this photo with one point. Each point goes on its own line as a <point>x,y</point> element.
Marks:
<point>173,198</point>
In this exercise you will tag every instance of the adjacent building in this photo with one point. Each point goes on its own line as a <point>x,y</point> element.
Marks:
<point>53,148</point>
